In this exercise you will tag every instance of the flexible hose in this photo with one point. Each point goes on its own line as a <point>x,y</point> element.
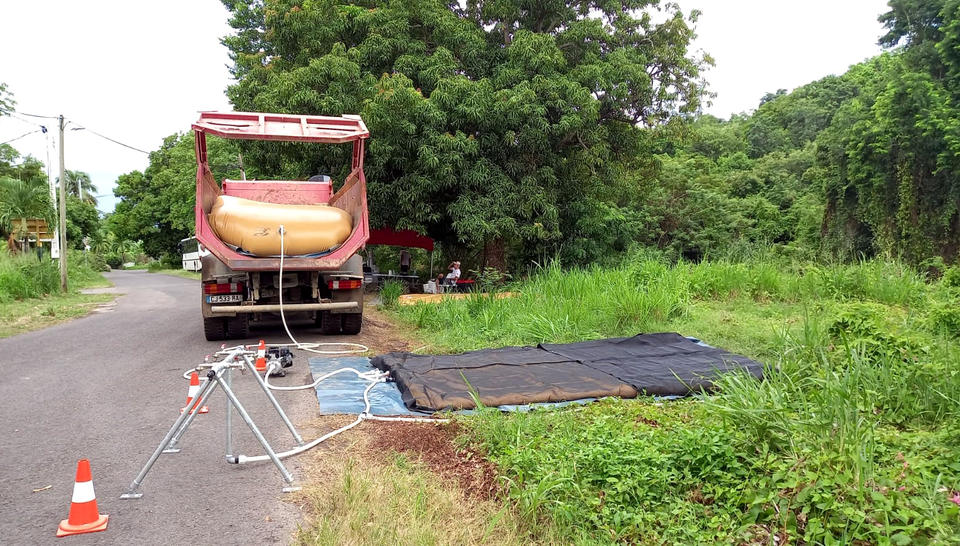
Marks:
<point>311,347</point>
<point>374,376</point>
<point>241,459</point>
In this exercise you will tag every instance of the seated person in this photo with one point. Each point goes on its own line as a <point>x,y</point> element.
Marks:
<point>454,275</point>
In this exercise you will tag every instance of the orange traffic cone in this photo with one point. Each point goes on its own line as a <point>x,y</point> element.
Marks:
<point>261,365</point>
<point>192,393</point>
<point>84,517</point>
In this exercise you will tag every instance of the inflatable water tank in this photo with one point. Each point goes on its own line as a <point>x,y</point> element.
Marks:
<point>254,226</point>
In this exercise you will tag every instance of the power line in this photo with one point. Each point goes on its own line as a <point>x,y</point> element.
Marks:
<point>20,119</point>
<point>36,115</point>
<point>21,136</point>
<point>82,128</point>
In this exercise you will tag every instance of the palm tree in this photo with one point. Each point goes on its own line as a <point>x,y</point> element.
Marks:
<point>20,200</point>
<point>101,241</point>
<point>79,184</point>
<point>127,250</point>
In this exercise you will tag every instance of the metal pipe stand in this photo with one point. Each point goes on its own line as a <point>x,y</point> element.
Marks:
<point>220,375</point>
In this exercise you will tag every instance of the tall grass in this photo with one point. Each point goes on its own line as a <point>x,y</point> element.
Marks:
<point>852,437</point>
<point>555,305</point>
<point>390,292</point>
<point>25,276</point>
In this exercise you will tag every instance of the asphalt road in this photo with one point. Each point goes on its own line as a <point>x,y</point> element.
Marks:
<point>107,387</point>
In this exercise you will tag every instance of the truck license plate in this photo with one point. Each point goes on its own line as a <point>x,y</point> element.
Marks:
<point>227,298</point>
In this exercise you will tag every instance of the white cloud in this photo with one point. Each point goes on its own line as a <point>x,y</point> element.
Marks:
<point>133,71</point>
<point>761,46</point>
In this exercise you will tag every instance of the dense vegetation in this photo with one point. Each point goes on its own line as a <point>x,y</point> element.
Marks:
<point>852,435</point>
<point>514,132</point>
<point>156,206</point>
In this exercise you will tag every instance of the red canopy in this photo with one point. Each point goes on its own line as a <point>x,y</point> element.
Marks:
<point>406,237</point>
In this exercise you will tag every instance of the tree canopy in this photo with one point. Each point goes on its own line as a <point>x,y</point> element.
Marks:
<point>156,206</point>
<point>517,131</point>
<point>497,124</point>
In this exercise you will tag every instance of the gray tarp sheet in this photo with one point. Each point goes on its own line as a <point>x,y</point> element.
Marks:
<point>654,364</point>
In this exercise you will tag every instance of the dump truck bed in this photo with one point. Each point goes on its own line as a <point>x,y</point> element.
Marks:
<point>351,197</point>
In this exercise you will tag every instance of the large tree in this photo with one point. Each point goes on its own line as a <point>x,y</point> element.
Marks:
<point>495,124</point>
<point>156,206</point>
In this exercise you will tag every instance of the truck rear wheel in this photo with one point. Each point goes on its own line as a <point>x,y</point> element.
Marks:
<point>238,327</point>
<point>214,328</point>
<point>328,322</point>
<point>352,322</point>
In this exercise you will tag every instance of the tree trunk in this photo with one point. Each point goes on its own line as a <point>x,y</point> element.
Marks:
<point>495,254</point>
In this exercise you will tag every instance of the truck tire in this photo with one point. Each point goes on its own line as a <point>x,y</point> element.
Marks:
<point>214,328</point>
<point>329,323</point>
<point>238,327</point>
<point>352,322</point>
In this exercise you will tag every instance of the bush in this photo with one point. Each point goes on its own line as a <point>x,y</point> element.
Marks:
<point>944,318</point>
<point>82,268</point>
<point>860,327</point>
<point>114,260</point>
<point>172,261</point>
<point>25,276</point>
<point>951,277</point>
<point>93,260</point>
<point>390,292</point>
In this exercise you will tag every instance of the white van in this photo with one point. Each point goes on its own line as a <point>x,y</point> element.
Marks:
<point>192,251</point>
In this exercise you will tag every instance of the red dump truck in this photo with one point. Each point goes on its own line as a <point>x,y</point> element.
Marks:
<point>239,223</point>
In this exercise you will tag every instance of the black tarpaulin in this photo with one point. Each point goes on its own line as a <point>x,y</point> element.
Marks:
<point>655,364</point>
<point>512,375</point>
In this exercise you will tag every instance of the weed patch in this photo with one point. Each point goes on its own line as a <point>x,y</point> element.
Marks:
<point>390,292</point>
<point>852,436</point>
<point>392,497</point>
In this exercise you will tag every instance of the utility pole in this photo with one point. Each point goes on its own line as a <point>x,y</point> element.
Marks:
<point>63,216</point>
<point>55,243</point>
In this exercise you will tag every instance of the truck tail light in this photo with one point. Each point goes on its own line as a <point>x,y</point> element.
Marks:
<point>345,284</point>
<point>222,287</point>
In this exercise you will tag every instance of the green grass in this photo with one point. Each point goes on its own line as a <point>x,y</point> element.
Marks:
<point>390,292</point>
<point>30,296</point>
<point>195,275</point>
<point>17,317</point>
<point>853,436</point>
<point>560,306</point>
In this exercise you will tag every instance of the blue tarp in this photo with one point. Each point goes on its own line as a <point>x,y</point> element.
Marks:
<point>343,393</point>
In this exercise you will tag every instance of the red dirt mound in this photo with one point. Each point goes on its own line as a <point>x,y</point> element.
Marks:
<point>433,445</point>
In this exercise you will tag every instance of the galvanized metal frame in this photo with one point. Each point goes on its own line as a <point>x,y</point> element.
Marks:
<point>220,374</point>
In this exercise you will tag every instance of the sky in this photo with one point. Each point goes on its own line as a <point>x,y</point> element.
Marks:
<point>760,46</point>
<point>140,71</point>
